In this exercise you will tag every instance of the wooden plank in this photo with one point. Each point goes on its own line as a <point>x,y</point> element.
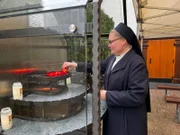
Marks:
<point>176,100</point>
<point>177,62</point>
<point>172,99</point>
<point>169,87</point>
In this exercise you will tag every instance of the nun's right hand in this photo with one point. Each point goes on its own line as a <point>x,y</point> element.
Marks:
<point>69,65</point>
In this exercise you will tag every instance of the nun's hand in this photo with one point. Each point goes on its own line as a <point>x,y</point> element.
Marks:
<point>103,94</point>
<point>69,65</point>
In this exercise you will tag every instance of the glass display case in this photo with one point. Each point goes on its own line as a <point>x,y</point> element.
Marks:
<point>36,38</point>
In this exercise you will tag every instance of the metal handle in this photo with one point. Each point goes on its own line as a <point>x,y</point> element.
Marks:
<point>150,60</point>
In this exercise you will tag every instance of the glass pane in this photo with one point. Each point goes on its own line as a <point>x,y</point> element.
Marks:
<point>33,49</point>
<point>9,5</point>
<point>55,22</point>
<point>22,7</point>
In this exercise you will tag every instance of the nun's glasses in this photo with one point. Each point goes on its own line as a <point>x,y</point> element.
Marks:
<point>111,41</point>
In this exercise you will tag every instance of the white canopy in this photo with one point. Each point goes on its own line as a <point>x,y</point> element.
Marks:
<point>158,18</point>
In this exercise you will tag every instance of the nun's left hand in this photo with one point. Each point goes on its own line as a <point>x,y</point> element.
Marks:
<point>103,94</point>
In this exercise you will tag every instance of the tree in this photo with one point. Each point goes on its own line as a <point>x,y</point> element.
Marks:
<point>107,23</point>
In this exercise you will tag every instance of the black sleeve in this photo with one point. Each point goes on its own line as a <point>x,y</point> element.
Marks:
<point>81,66</point>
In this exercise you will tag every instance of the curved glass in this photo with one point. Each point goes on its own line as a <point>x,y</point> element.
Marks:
<point>19,7</point>
<point>33,48</point>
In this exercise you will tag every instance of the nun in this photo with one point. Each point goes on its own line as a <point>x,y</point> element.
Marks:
<point>126,84</point>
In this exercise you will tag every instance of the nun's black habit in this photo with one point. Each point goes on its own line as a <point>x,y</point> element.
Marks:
<point>127,88</point>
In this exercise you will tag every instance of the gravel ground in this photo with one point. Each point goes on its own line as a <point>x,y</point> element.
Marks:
<point>162,121</point>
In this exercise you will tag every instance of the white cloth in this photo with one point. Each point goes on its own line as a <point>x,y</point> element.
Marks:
<point>118,58</point>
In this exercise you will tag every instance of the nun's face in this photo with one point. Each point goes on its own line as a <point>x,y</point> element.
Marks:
<point>116,44</point>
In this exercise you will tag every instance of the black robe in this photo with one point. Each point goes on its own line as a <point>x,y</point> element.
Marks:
<point>127,96</point>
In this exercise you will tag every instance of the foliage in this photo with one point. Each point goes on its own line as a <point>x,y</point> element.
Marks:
<point>106,22</point>
<point>77,50</point>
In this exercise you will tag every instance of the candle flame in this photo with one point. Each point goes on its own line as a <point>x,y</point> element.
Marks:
<point>45,89</point>
<point>57,73</point>
<point>20,71</point>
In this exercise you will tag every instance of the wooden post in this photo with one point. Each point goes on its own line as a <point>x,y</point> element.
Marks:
<point>178,113</point>
<point>176,78</point>
<point>145,47</point>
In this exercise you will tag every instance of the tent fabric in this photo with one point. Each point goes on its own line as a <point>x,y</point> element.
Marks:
<point>158,18</point>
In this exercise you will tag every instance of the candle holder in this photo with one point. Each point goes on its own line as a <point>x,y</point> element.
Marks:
<point>17,89</point>
<point>6,118</point>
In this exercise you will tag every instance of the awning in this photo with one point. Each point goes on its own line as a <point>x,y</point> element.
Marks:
<point>158,18</point>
